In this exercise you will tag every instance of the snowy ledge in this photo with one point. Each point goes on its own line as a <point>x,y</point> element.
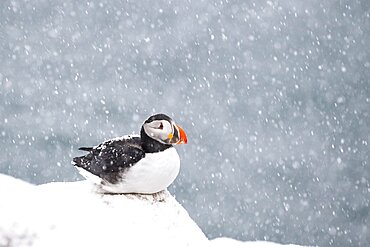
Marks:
<point>72,214</point>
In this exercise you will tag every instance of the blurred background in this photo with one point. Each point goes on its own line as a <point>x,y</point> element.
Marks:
<point>273,95</point>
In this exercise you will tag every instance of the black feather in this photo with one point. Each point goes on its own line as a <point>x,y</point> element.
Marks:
<point>86,148</point>
<point>111,157</point>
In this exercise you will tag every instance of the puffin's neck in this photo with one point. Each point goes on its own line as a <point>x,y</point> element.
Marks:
<point>150,145</point>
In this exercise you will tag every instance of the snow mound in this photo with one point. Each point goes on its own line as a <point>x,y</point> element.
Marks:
<point>73,214</point>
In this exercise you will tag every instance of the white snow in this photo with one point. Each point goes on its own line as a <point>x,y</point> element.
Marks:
<point>73,214</point>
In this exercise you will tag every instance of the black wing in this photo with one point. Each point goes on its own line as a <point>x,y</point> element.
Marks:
<point>111,157</point>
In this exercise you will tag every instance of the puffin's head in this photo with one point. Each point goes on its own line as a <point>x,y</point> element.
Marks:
<point>163,129</point>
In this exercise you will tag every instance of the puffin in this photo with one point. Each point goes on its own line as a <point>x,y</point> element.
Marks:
<point>144,164</point>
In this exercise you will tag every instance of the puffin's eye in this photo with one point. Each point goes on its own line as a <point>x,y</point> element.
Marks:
<point>160,126</point>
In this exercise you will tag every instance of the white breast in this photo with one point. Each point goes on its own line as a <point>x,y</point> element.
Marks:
<point>151,174</point>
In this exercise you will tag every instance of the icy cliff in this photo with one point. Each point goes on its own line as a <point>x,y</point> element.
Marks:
<point>73,214</point>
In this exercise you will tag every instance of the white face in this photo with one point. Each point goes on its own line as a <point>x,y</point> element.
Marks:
<point>160,130</point>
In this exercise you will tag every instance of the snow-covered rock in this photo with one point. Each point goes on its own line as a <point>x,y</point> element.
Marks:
<point>73,214</point>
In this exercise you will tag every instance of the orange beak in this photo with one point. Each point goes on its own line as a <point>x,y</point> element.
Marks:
<point>183,138</point>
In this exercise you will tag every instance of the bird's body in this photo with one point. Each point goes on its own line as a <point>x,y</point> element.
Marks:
<point>135,164</point>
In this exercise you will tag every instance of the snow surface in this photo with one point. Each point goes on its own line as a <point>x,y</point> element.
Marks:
<point>73,214</point>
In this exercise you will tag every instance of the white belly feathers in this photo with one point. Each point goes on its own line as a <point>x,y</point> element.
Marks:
<point>153,173</point>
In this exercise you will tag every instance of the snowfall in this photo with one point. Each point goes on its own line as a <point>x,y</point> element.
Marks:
<point>74,214</point>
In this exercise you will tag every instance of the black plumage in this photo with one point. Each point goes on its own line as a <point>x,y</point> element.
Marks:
<point>111,157</point>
